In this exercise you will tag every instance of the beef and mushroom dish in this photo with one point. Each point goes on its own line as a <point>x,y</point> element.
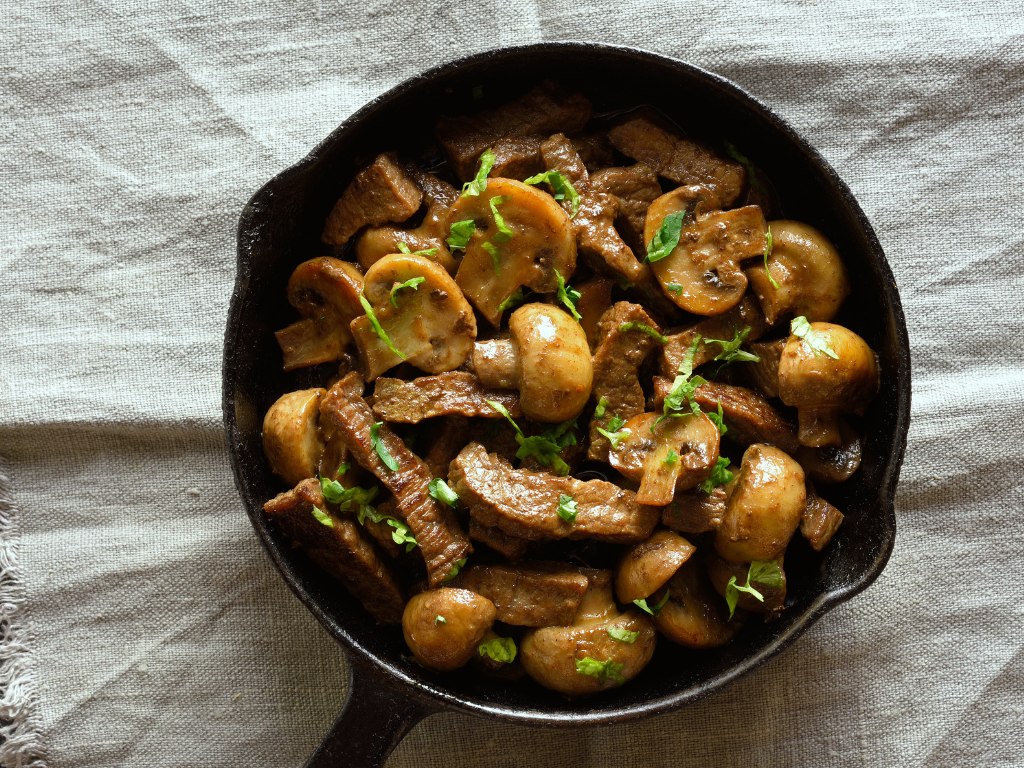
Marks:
<point>580,392</point>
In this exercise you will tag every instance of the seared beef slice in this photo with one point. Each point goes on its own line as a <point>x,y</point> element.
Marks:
<point>531,594</point>
<point>340,548</point>
<point>451,393</point>
<point>378,194</point>
<point>722,327</point>
<point>525,504</point>
<point>437,532</point>
<point>544,110</point>
<point>749,417</point>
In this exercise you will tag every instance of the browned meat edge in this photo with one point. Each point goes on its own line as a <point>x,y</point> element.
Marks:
<point>451,393</point>
<point>531,594</point>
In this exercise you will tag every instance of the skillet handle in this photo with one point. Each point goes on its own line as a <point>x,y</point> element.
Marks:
<point>377,713</point>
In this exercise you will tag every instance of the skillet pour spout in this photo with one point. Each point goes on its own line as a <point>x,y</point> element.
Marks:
<point>280,227</point>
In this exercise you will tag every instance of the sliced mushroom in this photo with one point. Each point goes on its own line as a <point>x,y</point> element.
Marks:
<point>542,243</point>
<point>557,657</point>
<point>810,275</point>
<point>695,616</point>
<point>766,502</point>
<point>833,464</point>
<point>432,325</point>
<point>291,435</point>
<point>721,571</point>
<point>646,567</point>
<point>326,293</point>
<point>705,265</point>
<point>443,627</point>
<point>546,358</point>
<point>644,454</point>
<point>821,387</point>
<point>379,193</point>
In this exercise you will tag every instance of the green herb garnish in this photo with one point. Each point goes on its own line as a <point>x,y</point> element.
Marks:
<point>667,237</point>
<point>439,490</point>
<point>720,475</point>
<point>601,670</point>
<point>492,249</point>
<point>412,282</point>
<point>460,234</point>
<point>602,404</point>
<point>672,457</point>
<point>731,352</point>
<point>765,572</point>
<point>349,499</point>
<point>322,517</point>
<point>683,387</point>
<point>734,153</point>
<point>344,468</point>
<point>518,297</point>
<point>455,569</point>
<point>441,619</point>
<point>654,610</point>
<point>614,431</point>
<point>382,450</point>
<point>622,635</point>
<point>425,252</point>
<point>544,447</point>
<point>501,649</point>
<point>802,329</point>
<point>568,296</point>
<point>561,187</point>
<point>718,418</point>
<point>676,288</point>
<point>646,329</point>
<point>768,252</point>
<point>567,508</point>
<point>377,328</point>
<point>479,184</point>
<point>504,233</point>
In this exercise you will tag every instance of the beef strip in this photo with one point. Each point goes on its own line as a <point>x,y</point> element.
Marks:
<point>538,594</point>
<point>695,511</point>
<point>437,532</point>
<point>340,548</point>
<point>518,157</point>
<point>645,136</point>
<point>454,392</point>
<point>764,375</point>
<point>820,520</point>
<point>617,360</point>
<point>381,531</point>
<point>749,417</point>
<point>525,504</point>
<point>379,193</point>
<point>544,110</point>
<point>723,327</point>
<point>635,188</point>
<point>594,150</point>
<point>510,546</point>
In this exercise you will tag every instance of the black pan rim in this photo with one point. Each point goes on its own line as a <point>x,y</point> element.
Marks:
<point>435,697</point>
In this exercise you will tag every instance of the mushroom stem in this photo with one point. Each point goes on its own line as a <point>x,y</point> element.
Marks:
<point>819,427</point>
<point>495,363</point>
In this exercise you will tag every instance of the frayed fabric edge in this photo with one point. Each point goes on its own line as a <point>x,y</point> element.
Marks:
<point>21,742</point>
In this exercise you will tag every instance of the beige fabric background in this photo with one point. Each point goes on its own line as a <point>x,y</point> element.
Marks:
<point>141,622</point>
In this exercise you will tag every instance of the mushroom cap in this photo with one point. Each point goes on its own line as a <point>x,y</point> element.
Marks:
<point>446,645</point>
<point>695,616</point>
<point>720,571</point>
<point>377,242</point>
<point>706,262</point>
<point>291,435</point>
<point>433,324</point>
<point>812,277</point>
<point>766,501</point>
<point>555,371</point>
<point>646,567</point>
<point>809,381</point>
<point>543,242</point>
<point>641,455</point>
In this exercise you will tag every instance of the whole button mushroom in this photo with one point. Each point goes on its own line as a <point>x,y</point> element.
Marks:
<point>546,358</point>
<point>766,502</point>
<point>824,371</point>
<point>443,627</point>
<point>291,435</point>
<point>721,571</point>
<point>521,237</point>
<point>808,271</point>
<point>646,567</point>
<point>421,316</point>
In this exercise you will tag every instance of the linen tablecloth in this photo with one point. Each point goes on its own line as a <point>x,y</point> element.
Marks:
<point>141,622</point>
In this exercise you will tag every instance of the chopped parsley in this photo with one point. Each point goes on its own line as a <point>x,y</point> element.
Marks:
<point>439,490</point>
<point>718,418</point>
<point>479,184</point>
<point>602,405</point>
<point>765,572</point>
<point>561,187</point>
<point>720,475</point>
<point>568,296</point>
<point>802,329</point>
<point>768,252</point>
<point>460,234</point>
<point>734,153</point>
<point>349,499</point>
<point>322,517</point>
<point>671,458</point>
<point>412,282</point>
<point>441,619</point>
<point>401,534</point>
<point>382,450</point>
<point>404,248</point>
<point>544,447</point>
<point>501,649</point>
<point>731,352</point>
<point>504,233</point>
<point>646,329</point>
<point>683,387</point>
<point>614,432</point>
<point>667,237</point>
<point>377,328</point>
<point>676,288</point>
<point>455,569</point>
<point>601,670</point>
<point>492,249</point>
<point>515,299</point>
<point>622,635</point>
<point>654,610</point>
<point>567,508</point>
<point>344,468</point>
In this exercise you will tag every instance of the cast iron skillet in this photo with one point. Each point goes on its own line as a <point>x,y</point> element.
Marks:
<point>280,227</point>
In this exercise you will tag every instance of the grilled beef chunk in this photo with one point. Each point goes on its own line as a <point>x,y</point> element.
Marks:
<point>695,511</point>
<point>644,136</point>
<point>635,188</point>
<point>764,374</point>
<point>595,151</point>
<point>510,546</point>
<point>454,392</point>
<point>543,110</point>
<point>617,359</point>
<point>525,504</point>
<point>378,194</point>
<point>722,327</point>
<point>539,594</point>
<point>437,532</point>
<point>340,548</point>
<point>750,417</point>
<point>820,520</point>
<point>518,157</point>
